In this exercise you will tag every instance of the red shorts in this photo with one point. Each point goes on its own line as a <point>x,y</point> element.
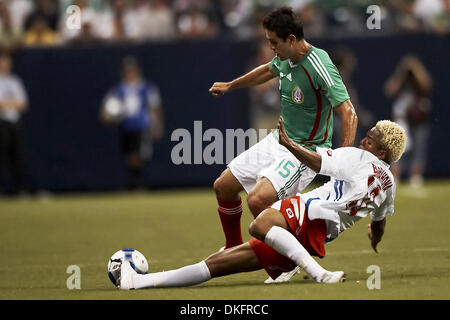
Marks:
<point>311,234</point>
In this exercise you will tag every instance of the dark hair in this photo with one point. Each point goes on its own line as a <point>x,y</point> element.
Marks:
<point>284,22</point>
<point>130,62</point>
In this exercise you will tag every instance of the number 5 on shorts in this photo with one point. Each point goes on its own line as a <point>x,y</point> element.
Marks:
<point>285,171</point>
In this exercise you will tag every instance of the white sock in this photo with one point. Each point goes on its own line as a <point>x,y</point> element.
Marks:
<point>286,244</point>
<point>183,277</point>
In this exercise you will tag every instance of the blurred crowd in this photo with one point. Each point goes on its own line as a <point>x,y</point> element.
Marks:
<point>65,22</point>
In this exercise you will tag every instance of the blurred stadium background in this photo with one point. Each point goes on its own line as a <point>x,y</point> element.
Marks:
<point>183,46</point>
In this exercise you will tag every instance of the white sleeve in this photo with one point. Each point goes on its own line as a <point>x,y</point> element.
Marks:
<point>345,163</point>
<point>385,209</point>
<point>19,91</point>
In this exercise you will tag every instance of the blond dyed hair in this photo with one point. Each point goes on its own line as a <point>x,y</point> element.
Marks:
<point>393,140</point>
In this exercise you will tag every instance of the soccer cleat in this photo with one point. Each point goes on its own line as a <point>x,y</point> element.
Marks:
<point>332,277</point>
<point>125,280</point>
<point>285,276</point>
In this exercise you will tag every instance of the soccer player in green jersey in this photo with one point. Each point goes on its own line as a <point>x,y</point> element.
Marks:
<point>311,89</point>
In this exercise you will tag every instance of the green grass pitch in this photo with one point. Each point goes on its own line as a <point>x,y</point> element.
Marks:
<point>41,237</point>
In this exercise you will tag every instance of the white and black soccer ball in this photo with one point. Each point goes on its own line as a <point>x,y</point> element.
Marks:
<point>137,261</point>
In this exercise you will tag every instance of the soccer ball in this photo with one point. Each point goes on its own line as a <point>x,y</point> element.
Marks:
<point>114,109</point>
<point>136,259</point>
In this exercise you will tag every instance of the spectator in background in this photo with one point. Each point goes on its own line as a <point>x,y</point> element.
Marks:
<point>19,10</point>
<point>40,34</point>
<point>196,18</point>
<point>311,16</point>
<point>135,104</point>
<point>47,10</point>
<point>12,15</point>
<point>8,36</point>
<point>251,26</point>
<point>85,36</point>
<point>434,14</point>
<point>403,14</point>
<point>123,21</point>
<point>239,18</point>
<point>442,22</point>
<point>410,88</point>
<point>265,103</point>
<point>155,20</point>
<point>115,20</point>
<point>13,102</point>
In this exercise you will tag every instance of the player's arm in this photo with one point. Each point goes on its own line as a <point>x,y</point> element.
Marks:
<point>408,64</point>
<point>310,158</point>
<point>349,123</point>
<point>157,117</point>
<point>375,231</point>
<point>395,82</point>
<point>420,73</point>
<point>257,76</point>
<point>13,105</point>
<point>156,113</point>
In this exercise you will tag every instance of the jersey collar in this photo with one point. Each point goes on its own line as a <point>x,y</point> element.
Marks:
<point>293,65</point>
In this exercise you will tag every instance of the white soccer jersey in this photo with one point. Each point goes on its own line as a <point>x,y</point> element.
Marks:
<point>11,88</point>
<point>360,184</point>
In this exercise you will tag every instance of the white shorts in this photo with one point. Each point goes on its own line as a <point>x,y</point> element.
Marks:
<point>270,159</point>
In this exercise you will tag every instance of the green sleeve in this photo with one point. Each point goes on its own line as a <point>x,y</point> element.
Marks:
<point>331,83</point>
<point>337,93</point>
<point>275,65</point>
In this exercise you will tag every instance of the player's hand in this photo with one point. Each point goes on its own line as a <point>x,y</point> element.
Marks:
<point>108,120</point>
<point>5,106</point>
<point>218,89</point>
<point>373,242</point>
<point>283,138</point>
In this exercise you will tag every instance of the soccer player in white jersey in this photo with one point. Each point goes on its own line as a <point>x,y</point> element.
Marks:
<point>289,232</point>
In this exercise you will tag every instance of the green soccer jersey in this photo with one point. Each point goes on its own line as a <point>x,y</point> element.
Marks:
<point>309,90</point>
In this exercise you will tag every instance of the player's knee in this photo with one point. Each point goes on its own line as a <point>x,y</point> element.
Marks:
<point>220,188</point>
<point>224,189</point>
<point>256,203</point>
<point>268,218</point>
<point>213,265</point>
<point>256,229</point>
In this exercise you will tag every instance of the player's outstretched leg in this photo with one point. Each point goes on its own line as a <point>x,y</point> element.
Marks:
<point>183,277</point>
<point>234,260</point>
<point>271,227</point>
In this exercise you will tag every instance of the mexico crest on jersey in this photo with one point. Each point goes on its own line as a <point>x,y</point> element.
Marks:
<point>297,95</point>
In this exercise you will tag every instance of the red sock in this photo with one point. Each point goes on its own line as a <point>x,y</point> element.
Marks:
<point>230,213</point>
